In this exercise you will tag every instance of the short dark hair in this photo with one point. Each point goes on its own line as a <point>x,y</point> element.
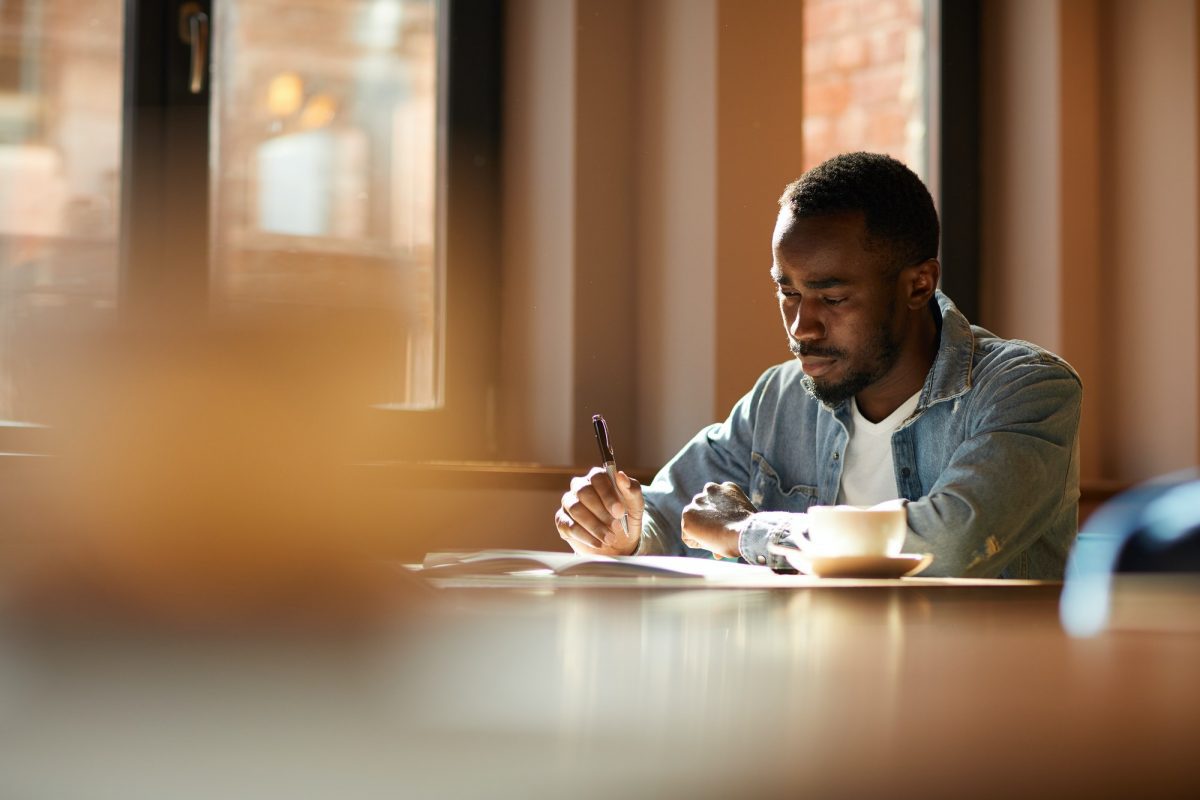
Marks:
<point>898,210</point>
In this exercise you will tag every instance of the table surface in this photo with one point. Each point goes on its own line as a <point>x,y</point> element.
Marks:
<point>561,688</point>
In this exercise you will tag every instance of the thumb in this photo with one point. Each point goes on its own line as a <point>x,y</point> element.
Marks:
<point>631,494</point>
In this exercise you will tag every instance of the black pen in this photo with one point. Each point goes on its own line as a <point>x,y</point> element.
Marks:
<point>610,463</point>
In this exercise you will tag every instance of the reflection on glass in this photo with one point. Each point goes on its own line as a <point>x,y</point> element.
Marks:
<point>325,167</point>
<point>864,80</point>
<point>60,156</point>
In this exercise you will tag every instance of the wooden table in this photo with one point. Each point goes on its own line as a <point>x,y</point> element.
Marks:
<point>564,689</point>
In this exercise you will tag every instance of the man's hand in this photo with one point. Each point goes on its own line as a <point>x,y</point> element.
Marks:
<point>590,517</point>
<point>715,518</point>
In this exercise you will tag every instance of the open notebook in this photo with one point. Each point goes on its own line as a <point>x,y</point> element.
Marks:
<point>509,562</point>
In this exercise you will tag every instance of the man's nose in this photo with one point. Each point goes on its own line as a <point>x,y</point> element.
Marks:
<point>806,323</point>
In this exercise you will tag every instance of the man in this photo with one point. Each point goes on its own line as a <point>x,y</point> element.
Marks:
<point>893,396</point>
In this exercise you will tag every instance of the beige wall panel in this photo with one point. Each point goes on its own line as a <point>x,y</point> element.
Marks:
<point>1150,338</point>
<point>605,320</point>
<point>1020,255</point>
<point>536,344</point>
<point>759,151</point>
<point>1083,307</point>
<point>676,224</point>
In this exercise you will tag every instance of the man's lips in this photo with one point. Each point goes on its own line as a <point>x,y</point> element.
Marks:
<point>816,366</point>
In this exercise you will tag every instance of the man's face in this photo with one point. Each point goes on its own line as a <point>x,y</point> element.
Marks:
<point>840,306</point>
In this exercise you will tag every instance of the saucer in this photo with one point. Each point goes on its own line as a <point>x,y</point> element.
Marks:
<point>900,566</point>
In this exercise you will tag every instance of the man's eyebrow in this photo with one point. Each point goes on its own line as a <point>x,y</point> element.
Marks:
<point>825,283</point>
<point>782,279</point>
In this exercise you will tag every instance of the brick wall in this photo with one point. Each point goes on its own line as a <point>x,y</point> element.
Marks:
<point>864,79</point>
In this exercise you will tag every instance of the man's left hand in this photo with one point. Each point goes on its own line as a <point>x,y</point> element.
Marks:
<point>715,518</point>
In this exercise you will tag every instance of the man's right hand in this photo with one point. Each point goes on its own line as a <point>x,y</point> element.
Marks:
<point>590,517</point>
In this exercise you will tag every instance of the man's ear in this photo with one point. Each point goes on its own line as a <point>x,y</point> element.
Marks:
<point>920,282</point>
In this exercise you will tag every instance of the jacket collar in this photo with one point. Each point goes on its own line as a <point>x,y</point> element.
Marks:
<point>950,375</point>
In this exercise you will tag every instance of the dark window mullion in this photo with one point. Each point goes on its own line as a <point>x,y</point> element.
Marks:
<point>164,203</point>
<point>472,72</point>
<point>959,151</point>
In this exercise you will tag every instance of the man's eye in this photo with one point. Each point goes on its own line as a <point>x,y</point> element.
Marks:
<point>788,295</point>
<point>834,301</point>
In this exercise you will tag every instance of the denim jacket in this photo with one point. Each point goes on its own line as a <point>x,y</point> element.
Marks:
<point>988,464</point>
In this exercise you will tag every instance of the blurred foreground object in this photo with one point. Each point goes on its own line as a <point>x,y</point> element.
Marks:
<point>1137,564</point>
<point>201,478</point>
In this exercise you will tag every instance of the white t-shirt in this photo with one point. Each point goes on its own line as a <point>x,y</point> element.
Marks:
<point>868,472</point>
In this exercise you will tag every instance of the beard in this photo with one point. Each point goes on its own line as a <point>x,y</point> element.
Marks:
<point>877,359</point>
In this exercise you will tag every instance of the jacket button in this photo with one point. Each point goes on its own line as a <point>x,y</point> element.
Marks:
<point>905,472</point>
<point>762,559</point>
<point>835,455</point>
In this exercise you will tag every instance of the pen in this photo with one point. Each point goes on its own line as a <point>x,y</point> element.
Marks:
<point>610,463</point>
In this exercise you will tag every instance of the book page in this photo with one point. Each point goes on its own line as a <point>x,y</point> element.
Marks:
<point>497,562</point>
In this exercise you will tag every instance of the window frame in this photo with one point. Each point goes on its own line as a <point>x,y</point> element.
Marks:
<point>164,235</point>
<point>954,34</point>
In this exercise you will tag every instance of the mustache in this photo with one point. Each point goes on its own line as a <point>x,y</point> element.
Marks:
<point>805,349</point>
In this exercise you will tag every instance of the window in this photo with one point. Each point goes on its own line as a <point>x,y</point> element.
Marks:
<point>865,84</point>
<point>60,178</point>
<point>325,177</point>
<point>314,170</point>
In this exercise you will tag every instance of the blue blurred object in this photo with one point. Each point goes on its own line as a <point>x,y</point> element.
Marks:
<point>1153,528</point>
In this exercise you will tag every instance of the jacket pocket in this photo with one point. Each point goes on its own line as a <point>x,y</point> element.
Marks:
<point>769,493</point>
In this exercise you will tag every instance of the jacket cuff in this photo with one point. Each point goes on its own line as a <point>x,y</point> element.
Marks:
<point>769,527</point>
<point>651,541</point>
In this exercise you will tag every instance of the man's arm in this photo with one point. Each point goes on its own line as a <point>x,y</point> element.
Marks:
<point>1009,478</point>
<point>708,458</point>
<point>587,517</point>
<point>718,454</point>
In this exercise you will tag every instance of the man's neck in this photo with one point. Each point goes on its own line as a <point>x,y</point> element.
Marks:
<point>907,375</point>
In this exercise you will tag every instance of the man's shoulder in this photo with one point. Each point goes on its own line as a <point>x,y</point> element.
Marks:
<point>996,357</point>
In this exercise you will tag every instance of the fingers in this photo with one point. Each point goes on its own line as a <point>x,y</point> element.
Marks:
<point>595,490</point>
<point>591,515</point>
<point>701,506</point>
<point>575,520</point>
<point>711,521</point>
<point>728,488</point>
<point>631,501</point>
<point>700,532</point>
<point>711,493</point>
<point>724,497</point>
<point>689,523</point>
<point>587,518</point>
<point>575,535</point>
<point>585,542</point>
<point>733,490</point>
<point>595,493</point>
<point>688,539</point>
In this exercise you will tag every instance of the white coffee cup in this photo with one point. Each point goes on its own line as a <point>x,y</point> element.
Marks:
<point>855,531</point>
